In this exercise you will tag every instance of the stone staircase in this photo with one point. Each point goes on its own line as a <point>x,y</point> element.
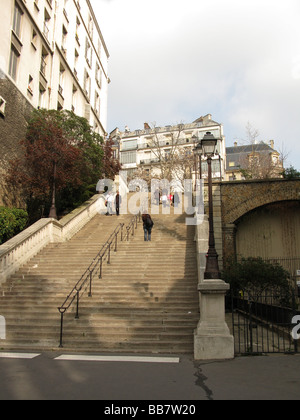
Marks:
<point>147,300</point>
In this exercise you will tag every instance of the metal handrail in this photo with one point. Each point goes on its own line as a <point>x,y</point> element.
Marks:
<point>94,268</point>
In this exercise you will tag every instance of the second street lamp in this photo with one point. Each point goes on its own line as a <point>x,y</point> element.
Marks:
<point>212,271</point>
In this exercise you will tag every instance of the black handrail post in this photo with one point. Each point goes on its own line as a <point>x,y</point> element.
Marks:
<point>91,277</point>
<point>61,330</point>
<point>108,260</point>
<point>101,261</point>
<point>77,306</point>
<point>116,244</point>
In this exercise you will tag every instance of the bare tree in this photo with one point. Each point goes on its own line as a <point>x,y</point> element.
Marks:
<point>257,161</point>
<point>252,134</point>
<point>184,164</point>
<point>173,153</point>
<point>165,148</point>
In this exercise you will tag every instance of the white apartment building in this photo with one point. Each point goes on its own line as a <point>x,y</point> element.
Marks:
<point>53,51</point>
<point>139,149</point>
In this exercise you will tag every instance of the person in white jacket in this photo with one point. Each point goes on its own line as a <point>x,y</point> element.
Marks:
<point>164,200</point>
<point>110,200</point>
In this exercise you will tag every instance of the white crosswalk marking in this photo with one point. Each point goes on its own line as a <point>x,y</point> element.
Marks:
<point>136,359</point>
<point>18,355</point>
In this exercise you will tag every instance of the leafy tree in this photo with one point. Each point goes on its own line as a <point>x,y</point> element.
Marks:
<point>91,146</point>
<point>291,173</point>
<point>63,159</point>
<point>111,165</point>
<point>12,222</point>
<point>255,276</point>
<point>50,161</point>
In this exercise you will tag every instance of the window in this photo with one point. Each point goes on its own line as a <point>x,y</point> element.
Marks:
<point>44,62</point>
<point>17,20</point>
<point>98,75</point>
<point>13,63</point>
<point>77,30</point>
<point>2,106</point>
<point>46,25</point>
<point>253,159</point>
<point>167,154</point>
<point>88,53</point>
<point>130,145</point>
<point>74,98</point>
<point>34,39</point>
<point>64,39</point>
<point>65,9</point>
<point>90,26</point>
<point>42,97</point>
<point>30,85</point>
<point>128,157</point>
<point>97,104</point>
<point>87,84</point>
<point>61,80</point>
<point>76,59</point>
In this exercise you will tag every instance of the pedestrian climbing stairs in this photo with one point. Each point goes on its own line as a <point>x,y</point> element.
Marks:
<point>146,301</point>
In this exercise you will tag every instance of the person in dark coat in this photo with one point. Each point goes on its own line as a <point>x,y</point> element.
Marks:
<point>176,199</point>
<point>118,202</point>
<point>147,226</point>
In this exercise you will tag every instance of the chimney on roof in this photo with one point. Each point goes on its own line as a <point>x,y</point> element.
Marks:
<point>272,144</point>
<point>235,144</point>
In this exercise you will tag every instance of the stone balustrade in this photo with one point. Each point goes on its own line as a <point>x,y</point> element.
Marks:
<point>20,249</point>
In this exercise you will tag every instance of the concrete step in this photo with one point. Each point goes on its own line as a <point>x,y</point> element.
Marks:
<point>147,300</point>
<point>153,343</point>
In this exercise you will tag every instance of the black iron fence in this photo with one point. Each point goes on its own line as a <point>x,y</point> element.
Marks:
<point>260,324</point>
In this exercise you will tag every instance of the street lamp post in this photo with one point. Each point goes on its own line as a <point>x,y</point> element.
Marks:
<point>53,214</point>
<point>212,271</point>
<point>212,338</point>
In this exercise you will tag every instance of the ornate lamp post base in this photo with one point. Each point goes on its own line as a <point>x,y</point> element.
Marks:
<point>212,340</point>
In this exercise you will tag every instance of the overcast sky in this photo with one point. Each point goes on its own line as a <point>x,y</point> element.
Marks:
<point>173,61</point>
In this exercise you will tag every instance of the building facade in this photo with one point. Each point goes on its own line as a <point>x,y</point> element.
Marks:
<point>165,152</point>
<point>52,56</point>
<point>254,161</point>
<point>54,53</point>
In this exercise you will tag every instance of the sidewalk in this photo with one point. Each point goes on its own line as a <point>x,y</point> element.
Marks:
<point>272,377</point>
<point>246,378</point>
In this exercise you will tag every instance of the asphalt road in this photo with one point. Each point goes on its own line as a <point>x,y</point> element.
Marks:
<point>247,378</point>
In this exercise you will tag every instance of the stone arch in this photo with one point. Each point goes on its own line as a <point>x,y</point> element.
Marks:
<point>243,197</point>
